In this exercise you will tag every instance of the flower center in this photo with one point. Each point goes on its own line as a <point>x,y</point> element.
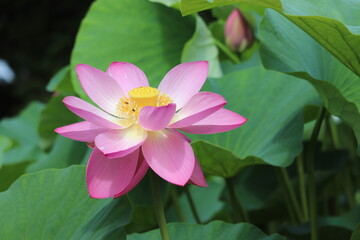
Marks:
<point>144,96</point>
<point>129,107</point>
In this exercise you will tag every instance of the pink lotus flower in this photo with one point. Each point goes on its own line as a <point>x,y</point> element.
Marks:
<point>138,125</point>
<point>238,34</point>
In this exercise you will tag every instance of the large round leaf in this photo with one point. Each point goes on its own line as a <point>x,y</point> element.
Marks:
<point>21,130</point>
<point>330,228</point>
<point>305,58</point>
<point>213,231</point>
<point>146,34</point>
<point>54,115</point>
<point>333,23</point>
<point>201,47</point>
<point>64,153</point>
<point>273,104</point>
<point>54,204</point>
<point>5,144</point>
<point>61,82</point>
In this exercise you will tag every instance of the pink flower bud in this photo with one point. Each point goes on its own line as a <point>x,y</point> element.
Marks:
<point>238,34</point>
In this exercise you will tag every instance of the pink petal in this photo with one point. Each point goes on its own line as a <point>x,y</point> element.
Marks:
<point>179,134</point>
<point>141,170</point>
<point>107,177</point>
<point>81,131</point>
<point>156,118</point>
<point>184,81</point>
<point>170,156</point>
<point>91,114</point>
<point>118,143</point>
<point>100,87</point>
<point>197,177</point>
<point>127,75</point>
<point>200,106</point>
<point>221,121</point>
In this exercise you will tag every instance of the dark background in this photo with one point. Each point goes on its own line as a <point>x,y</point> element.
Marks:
<point>36,39</point>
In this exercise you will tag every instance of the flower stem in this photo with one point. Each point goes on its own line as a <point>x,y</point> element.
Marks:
<point>227,51</point>
<point>240,215</point>
<point>192,205</point>
<point>310,157</point>
<point>159,206</point>
<point>302,186</point>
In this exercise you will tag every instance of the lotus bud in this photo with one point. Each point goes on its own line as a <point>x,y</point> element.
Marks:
<point>238,33</point>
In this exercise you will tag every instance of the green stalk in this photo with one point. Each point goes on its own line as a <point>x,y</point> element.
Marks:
<point>348,188</point>
<point>326,202</point>
<point>271,227</point>
<point>310,157</point>
<point>290,209</point>
<point>159,207</point>
<point>175,200</point>
<point>329,131</point>
<point>289,191</point>
<point>334,133</point>
<point>338,191</point>
<point>227,51</point>
<point>192,205</point>
<point>240,215</point>
<point>302,187</point>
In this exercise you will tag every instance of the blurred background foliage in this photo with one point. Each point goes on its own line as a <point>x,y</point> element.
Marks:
<point>280,83</point>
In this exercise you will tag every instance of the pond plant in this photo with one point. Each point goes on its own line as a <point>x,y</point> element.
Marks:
<point>193,119</point>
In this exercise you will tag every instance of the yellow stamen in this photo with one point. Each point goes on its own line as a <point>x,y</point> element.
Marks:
<point>164,100</point>
<point>145,96</point>
<point>128,108</point>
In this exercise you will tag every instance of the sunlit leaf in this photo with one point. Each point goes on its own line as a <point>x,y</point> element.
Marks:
<point>146,34</point>
<point>273,104</point>
<point>219,161</point>
<point>333,23</point>
<point>305,58</point>
<point>54,204</point>
<point>201,47</point>
<point>168,3</point>
<point>213,231</point>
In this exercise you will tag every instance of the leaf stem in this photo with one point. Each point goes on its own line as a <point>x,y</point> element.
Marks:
<point>240,215</point>
<point>289,207</point>
<point>175,200</point>
<point>334,132</point>
<point>348,186</point>
<point>302,187</point>
<point>329,131</point>
<point>310,157</point>
<point>192,205</point>
<point>290,193</point>
<point>227,51</point>
<point>159,206</point>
